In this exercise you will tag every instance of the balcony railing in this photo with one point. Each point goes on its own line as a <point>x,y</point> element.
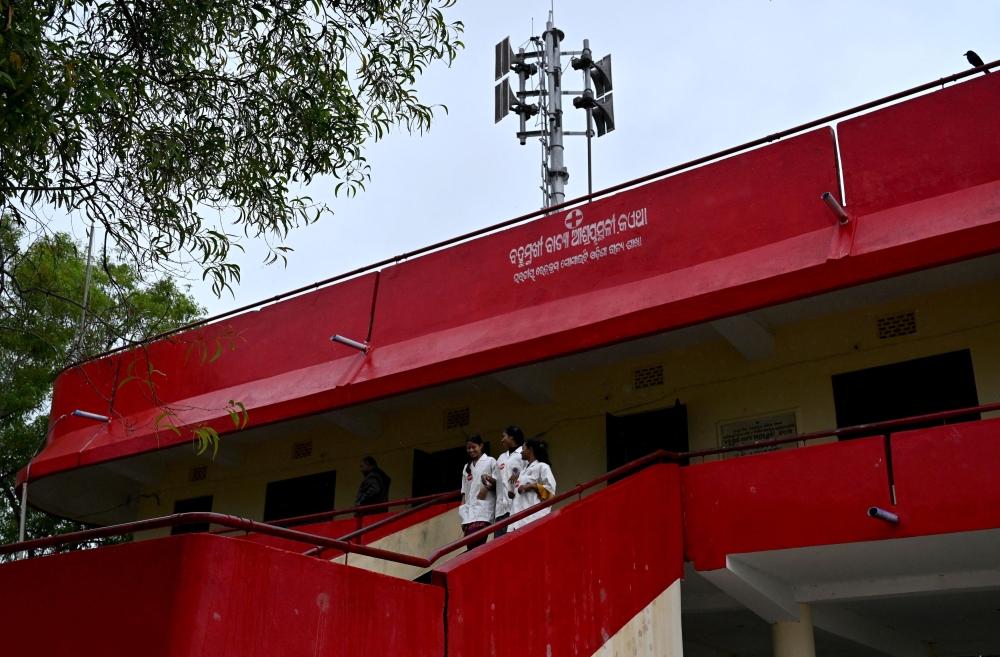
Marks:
<point>347,544</point>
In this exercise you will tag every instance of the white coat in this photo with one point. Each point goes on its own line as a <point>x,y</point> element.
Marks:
<point>474,509</point>
<point>510,465</point>
<point>535,473</point>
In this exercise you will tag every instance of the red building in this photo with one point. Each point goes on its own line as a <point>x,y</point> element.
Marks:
<point>694,314</point>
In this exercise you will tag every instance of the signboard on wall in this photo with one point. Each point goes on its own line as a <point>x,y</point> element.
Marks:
<point>745,432</point>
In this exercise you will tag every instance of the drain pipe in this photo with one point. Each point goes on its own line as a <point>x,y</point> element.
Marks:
<point>353,344</point>
<point>837,210</point>
<point>27,472</point>
<point>882,514</point>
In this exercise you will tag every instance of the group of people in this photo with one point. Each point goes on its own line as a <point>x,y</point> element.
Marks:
<point>494,489</point>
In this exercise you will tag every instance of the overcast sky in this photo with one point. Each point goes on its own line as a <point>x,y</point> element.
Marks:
<point>690,78</point>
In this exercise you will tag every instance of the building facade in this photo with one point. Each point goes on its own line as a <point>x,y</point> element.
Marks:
<point>697,314</point>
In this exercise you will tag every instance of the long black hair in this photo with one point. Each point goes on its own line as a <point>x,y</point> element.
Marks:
<point>540,449</point>
<point>515,433</point>
<point>474,438</point>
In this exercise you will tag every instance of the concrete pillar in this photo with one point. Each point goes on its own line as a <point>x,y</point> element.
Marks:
<point>795,639</point>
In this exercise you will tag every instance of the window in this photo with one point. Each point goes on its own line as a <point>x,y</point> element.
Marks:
<point>300,496</point>
<point>201,504</point>
<point>914,387</point>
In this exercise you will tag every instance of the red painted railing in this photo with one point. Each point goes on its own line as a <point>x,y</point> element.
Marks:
<point>874,428</point>
<point>444,498</point>
<point>343,544</point>
<point>437,498</point>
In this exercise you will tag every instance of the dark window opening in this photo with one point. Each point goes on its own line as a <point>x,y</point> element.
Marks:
<point>630,437</point>
<point>299,496</point>
<point>439,472</point>
<point>192,505</point>
<point>914,387</point>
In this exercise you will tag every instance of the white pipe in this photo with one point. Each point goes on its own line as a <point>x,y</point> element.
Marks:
<point>882,514</point>
<point>27,472</point>
<point>86,289</point>
<point>835,208</point>
<point>24,504</point>
<point>91,416</point>
<point>347,342</point>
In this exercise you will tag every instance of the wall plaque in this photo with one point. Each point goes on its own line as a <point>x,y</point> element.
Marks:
<point>744,432</point>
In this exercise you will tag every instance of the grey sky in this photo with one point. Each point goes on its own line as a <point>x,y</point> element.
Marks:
<point>690,78</point>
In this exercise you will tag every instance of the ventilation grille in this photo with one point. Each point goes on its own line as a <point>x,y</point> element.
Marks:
<point>302,450</point>
<point>648,377</point>
<point>458,417</point>
<point>895,326</point>
<point>198,473</point>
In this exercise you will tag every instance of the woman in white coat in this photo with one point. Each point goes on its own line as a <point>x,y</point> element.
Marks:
<point>478,500</point>
<point>535,484</point>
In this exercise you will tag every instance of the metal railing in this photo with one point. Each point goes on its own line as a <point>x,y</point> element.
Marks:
<point>232,522</point>
<point>367,509</point>
<point>873,428</point>
<point>344,544</point>
<point>443,498</point>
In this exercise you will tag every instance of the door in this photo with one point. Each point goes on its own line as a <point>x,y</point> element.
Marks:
<point>201,504</point>
<point>630,437</point>
<point>439,472</point>
<point>914,387</point>
<point>300,496</point>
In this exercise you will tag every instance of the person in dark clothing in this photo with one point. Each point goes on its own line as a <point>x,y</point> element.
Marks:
<point>374,487</point>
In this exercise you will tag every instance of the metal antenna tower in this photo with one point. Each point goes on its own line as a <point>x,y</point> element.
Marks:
<point>539,70</point>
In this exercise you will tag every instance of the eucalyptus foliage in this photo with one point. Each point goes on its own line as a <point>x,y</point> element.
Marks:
<point>179,126</point>
<point>40,334</point>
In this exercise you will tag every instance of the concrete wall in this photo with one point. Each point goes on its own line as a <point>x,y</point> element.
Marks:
<point>207,595</point>
<point>418,540</point>
<point>582,576</point>
<point>715,381</point>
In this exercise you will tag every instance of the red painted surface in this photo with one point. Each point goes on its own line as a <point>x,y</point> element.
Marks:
<point>944,478</point>
<point>209,595</point>
<point>581,573</point>
<point>329,529</point>
<point>339,528</point>
<point>815,495</point>
<point>694,217</point>
<point>928,146</point>
<point>947,479</point>
<point>740,234</point>
<point>280,352</point>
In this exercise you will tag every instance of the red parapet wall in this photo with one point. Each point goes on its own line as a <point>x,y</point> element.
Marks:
<point>565,584</point>
<point>580,278</point>
<point>935,144</point>
<point>209,595</point>
<point>342,527</point>
<point>815,495</point>
<point>261,358</point>
<point>328,529</point>
<point>948,478</point>
<point>922,181</point>
<point>727,207</point>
